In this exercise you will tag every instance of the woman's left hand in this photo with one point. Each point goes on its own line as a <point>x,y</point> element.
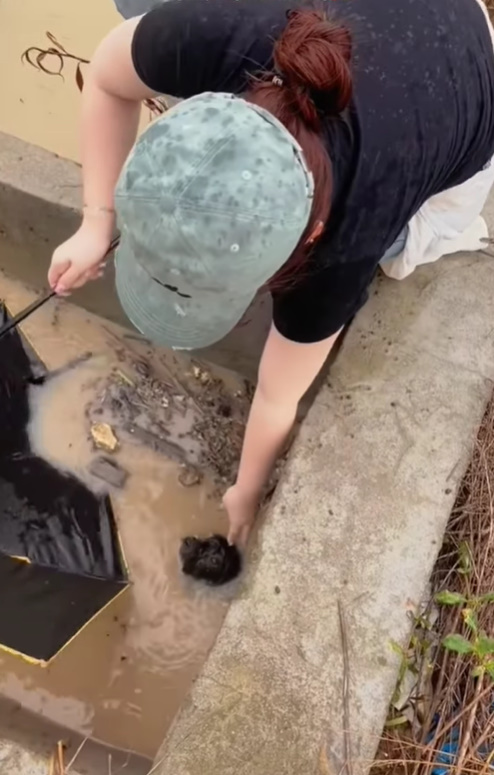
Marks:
<point>242,509</point>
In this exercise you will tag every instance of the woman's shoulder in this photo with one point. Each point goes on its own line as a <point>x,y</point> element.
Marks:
<point>185,47</point>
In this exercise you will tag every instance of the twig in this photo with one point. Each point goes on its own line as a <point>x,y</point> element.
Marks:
<point>468,729</point>
<point>443,767</point>
<point>178,384</point>
<point>61,765</point>
<point>487,764</point>
<point>124,766</point>
<point>156,766</point>
<point>348,765</point>
<point>456,719</point>
<point>76,755</point>
<point>433,707</point>
<point>488,733</point>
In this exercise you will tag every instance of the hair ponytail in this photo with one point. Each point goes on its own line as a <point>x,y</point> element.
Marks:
<point>312,79</point>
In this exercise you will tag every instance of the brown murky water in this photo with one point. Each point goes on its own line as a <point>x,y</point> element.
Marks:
<point>124,677</point>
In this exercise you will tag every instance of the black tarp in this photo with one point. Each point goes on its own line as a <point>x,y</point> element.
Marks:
<point>60,555</point>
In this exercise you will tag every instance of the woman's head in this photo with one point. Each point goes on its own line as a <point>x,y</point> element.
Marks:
<point>223,194</point>
<point>312,79</point>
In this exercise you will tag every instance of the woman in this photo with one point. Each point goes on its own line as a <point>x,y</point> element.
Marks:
<point>310,144</point>
<point>129,8</point>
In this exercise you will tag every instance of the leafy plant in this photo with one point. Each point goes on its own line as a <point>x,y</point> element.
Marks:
<point>478,645</point>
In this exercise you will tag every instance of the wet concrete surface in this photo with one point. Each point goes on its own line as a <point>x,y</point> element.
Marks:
<point>124,677</point>
<point>31,739</point>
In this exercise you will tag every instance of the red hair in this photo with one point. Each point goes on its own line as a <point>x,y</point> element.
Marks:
<point>312,79</point>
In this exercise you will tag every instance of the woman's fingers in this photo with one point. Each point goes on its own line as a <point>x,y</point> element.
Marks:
<point>241,507</point>
<point>72,278</point>
<point>238,535</point>
<point>96,273</point>
<point>56,272</point>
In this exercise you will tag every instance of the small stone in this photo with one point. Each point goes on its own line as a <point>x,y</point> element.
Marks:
<point>109,471</point>
<point>201,375</point>
<point>104,437</point>
<point>189,476</point>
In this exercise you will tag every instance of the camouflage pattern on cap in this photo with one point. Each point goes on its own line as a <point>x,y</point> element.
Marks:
<point>211,203</point>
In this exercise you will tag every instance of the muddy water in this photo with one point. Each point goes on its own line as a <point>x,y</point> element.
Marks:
<point>124,677</point>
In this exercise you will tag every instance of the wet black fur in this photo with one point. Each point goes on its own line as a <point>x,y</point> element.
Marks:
<point>211,560</point>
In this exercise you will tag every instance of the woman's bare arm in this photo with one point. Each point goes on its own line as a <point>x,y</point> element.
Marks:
<point>111,105</point>
<point>286,372</point>
<point>111,102</point>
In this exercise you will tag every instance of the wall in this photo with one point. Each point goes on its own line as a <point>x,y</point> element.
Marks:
<point>40,109</point>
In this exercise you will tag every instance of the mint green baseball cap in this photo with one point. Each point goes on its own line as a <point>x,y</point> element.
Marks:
<point>211,203</point>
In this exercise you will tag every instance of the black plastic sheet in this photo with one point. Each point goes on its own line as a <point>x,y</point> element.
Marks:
<point>60,555</point>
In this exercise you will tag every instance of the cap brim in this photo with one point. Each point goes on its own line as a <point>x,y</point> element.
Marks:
<point>168,318</point>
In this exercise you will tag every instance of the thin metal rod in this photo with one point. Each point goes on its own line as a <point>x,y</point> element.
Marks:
<point>13,322</point>
<point>23,314</point>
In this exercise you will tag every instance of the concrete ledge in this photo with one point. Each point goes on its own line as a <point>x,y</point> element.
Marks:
<point>358,517</point>
<point>40,200</point>
<point>27,743</point>
<point>15,759</point>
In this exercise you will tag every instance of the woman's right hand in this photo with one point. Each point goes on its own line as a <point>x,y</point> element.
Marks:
<point>81,257</point>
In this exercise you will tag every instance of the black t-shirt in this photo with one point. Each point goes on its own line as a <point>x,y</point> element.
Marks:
<point>421,120</point>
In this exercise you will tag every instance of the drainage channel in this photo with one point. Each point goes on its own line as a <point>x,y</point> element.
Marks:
<point>122,679</point>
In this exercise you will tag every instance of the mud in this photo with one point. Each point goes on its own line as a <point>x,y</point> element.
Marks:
<point>192,418</point>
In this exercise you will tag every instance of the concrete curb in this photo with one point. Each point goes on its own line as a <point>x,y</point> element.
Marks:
<point>358,518</point>
<point>27,742</point>
<point>17,759</point>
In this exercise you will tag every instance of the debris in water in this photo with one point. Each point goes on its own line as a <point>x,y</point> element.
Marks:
<point>124,378</point>
<point>163,446</point>
<point>103,436</point>
<point>212,560</point>
<point>196,419</point>
<point>109,471</point>
<point>189,476</point>
<point>220,429</point>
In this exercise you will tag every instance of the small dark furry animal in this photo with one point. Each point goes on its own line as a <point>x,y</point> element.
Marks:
<point>212,560</point>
